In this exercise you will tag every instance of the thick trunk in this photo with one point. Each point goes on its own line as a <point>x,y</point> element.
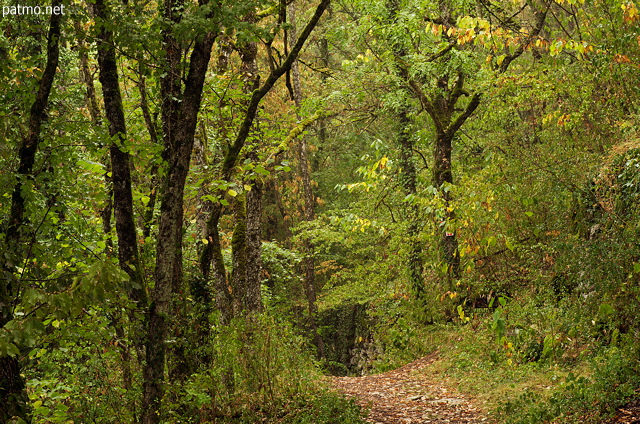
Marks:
<point>13,398</point>
<point>408,179</point>
<point>442,176</point>
<point>179,127</point>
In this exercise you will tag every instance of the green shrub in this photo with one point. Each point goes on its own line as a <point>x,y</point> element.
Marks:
<point>261,371</point>
<point>615,376</point>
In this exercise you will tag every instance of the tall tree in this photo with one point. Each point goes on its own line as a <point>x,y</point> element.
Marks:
<point>408,177</point>
<point>120,161</point>
<point>444,103</point>
<point>180,106</point>
<point>212,251</point>
<point>309,281</point>
<point>13,398</point>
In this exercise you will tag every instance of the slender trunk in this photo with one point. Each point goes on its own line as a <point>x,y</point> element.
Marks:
<point>239,257</point>
<point>253,295</point>
<point>153,136</point>
<point>87,78</point>
<point>120,168</point>
<point>251,298</point>
<point>408,175</point>
<point>309,281</point>
<point>13,397</point>
<point>212,255</point>
<point>120,185</point>
<point>96,120</point>
<point>209,251</point>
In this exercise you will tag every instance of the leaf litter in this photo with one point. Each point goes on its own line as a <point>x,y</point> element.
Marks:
<point>410,394</point>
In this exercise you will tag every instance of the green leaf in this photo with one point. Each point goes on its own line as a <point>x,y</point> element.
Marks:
<point>605,309</point>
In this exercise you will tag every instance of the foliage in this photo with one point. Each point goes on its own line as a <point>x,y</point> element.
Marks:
<point>261,371</point>
<point>582,399</point>
<point>543,201</point>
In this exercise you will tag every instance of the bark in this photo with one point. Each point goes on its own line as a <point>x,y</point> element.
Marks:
<point>309,281</point>
<point>239,258</point>
<point>87,77</point>
<point>179,125</point>
<point>251,267</point>
<point>120,168</point>
<point>408,179</point>
<point>408,174</point>
<point>253,241</point>
<point>212,255</point>
<point>153,136</point>
<point>212,251</point>
<point>445,106</point>
<point>13,397</point>
<point>121,186</point>
<point>96,120</point>
<point>36,116</point>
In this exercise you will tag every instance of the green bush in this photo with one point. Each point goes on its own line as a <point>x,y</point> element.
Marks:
<point>615,377</point>
<point>261,371</point>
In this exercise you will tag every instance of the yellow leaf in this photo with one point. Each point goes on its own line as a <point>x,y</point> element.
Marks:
<point>232,193</point>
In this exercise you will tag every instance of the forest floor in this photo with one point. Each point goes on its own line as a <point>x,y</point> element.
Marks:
<point>410,394</point>
<point>415,394</point>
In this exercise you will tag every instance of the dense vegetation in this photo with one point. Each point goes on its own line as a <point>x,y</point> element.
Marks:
<point>208,205</point>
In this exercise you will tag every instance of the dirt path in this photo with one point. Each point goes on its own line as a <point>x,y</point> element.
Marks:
<point>409,395</point>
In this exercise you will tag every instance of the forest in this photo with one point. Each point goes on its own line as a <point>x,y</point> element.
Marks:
<point>316,211</point>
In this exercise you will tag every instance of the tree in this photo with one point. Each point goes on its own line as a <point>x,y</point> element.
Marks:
<point>13,398</point>
<point>212,251</point>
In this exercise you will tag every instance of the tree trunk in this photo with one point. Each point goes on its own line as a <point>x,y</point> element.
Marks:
<point>408,175</point>
<point>309,281</point>
<point>153,173</point>
<point>13,397</point>
<point>443,176</point>
<point>251,272</point>
<point>253,279</point>
<point>239,257</point>
<point>179,115</point>
<point>408,179</point>
<point>128,256</point>
<point>212,251</point>
<point>120,168</point>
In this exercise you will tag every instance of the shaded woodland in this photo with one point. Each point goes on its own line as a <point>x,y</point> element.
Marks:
<point>209,206</point>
